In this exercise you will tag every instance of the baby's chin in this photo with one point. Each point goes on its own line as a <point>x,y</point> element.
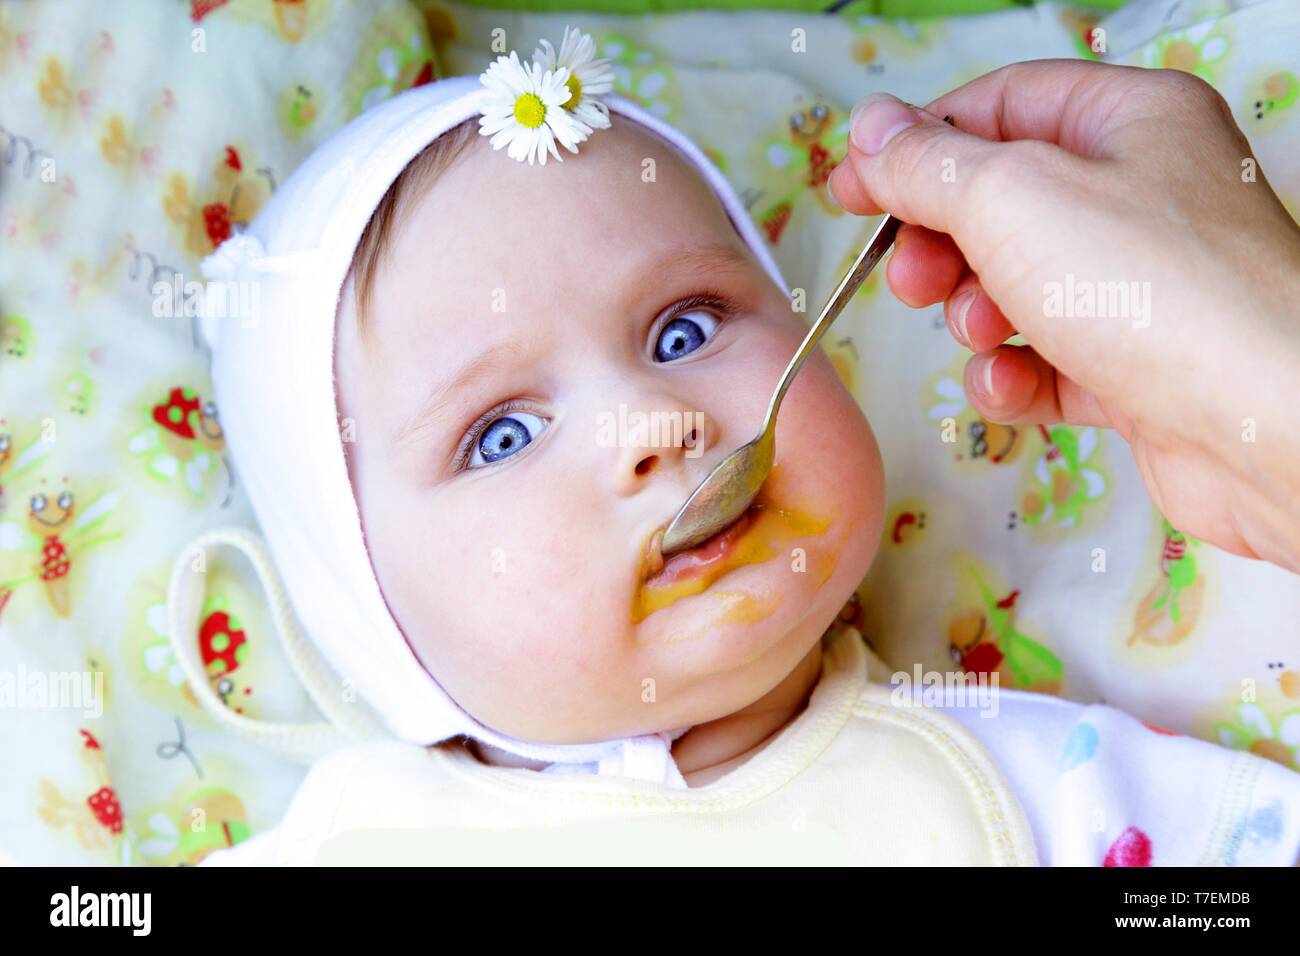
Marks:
<point>736,634</point>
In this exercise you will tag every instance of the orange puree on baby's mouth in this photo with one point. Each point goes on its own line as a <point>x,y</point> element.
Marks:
<point>769,531</point>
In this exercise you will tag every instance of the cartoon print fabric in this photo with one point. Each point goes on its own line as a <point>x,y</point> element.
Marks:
<point>133,143</point>
<point>1029,553</point>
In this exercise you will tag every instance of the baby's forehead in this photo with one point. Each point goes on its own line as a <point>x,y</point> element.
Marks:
<point>498,258</point>
<point>493,233</point>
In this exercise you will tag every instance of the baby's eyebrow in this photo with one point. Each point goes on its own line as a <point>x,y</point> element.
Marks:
<point>707,259</point>
<point>487,363</point>
<point>703,262</point>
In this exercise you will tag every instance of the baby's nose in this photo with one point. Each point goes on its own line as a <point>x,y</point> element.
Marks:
<point>649,440</point>
<point>687,447</point>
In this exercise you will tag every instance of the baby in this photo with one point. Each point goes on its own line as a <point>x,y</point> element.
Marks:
<point>477,396</point>
<point>492,313</point>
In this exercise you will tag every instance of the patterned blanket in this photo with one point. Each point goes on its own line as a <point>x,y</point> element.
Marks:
<point>134,142</point>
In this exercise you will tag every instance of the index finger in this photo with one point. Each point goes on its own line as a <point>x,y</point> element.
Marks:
<point>1058,101</point>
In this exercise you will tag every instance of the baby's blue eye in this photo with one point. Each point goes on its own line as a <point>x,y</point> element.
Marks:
<point>682,336</point>
<point>504,437</point>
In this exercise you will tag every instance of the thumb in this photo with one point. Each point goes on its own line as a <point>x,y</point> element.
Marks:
<point>910,163</point>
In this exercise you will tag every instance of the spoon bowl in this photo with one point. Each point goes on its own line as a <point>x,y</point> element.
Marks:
<point>722,497</point>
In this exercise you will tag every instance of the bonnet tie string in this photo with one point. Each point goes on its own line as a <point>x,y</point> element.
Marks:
<point>348,719</point>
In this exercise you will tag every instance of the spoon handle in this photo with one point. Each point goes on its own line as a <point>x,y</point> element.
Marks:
<point>875,250</point>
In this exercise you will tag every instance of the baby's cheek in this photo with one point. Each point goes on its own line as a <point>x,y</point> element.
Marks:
<point>530,608</point>
<point>536,655</point>
<point>477,629</point>
<point>827,456</point>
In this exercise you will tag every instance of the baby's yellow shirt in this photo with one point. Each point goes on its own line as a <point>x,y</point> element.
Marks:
<point>853,779</point>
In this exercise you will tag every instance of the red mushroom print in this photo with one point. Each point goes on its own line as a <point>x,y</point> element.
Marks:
<point>181,438</point>
<point>216,222</point>
<point>220,639</point>
<point>222,648</point>
<point>99,812</point>
<point>179,413</point>
<point>179,419</point>
<point>103,804</point>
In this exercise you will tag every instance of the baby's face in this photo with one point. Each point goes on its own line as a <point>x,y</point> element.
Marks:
<point>509,518</point>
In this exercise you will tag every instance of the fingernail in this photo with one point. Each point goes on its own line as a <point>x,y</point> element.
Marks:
<point>960,306</point>
<point>830,190</point>
<point>988,375</point>
<point>878,118</point>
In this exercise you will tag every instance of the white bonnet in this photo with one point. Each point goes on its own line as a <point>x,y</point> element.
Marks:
<point>272,373</point>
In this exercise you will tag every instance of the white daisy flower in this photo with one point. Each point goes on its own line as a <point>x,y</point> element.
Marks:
<point>588,77</point>
<point>524,110</point>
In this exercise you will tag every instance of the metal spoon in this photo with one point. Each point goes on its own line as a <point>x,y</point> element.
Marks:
<point>730,488</point>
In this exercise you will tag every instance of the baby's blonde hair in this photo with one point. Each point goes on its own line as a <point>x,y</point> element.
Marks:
<point>413,182</point>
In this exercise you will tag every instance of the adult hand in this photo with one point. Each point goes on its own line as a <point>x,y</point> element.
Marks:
<point>1060,181</point>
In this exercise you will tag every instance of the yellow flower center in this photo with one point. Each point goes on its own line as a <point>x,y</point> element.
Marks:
<point>530,111</point>
<point>575,89</point>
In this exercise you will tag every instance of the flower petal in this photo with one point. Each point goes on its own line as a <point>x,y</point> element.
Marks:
<point>546,76</point>
<point>1229,736</point>
<point>1254,719</point>
<point>1288,729</point>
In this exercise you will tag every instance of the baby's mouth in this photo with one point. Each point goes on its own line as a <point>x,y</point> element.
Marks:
<point>764,530</point>
<point>685,564</point>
